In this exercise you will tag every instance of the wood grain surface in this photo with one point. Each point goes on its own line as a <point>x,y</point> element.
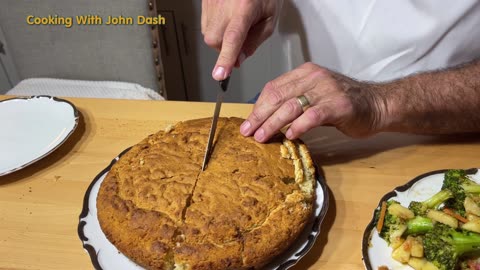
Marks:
<point>40,205</point>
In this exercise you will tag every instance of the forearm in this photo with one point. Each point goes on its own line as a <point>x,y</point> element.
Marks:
<point>439,102</point>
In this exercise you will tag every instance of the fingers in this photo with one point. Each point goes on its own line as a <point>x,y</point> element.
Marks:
<point>281,82</point>
<point>329,97</point>
<point>204,15</point>
<point>271,99</point>
<point>215,28</point>
<point>278,105</point>
<point>288,112</point>
<point>233,39</point>
<point>257,35</point>
<point>312,117</point>
<point>227,24</point>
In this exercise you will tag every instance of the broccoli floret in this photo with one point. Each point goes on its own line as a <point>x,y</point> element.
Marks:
<point>458,183</point>
<point>419,225</point>
<point>421,208</point>
<point>444,246</point>
<point>393,226</point>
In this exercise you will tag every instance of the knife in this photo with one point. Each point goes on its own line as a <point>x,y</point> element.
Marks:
<point>216,113</point>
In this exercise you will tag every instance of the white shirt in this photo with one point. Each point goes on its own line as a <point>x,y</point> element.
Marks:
<point>380,40</point>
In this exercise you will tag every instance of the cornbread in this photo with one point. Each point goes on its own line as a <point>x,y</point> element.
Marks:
<point>252,201</point>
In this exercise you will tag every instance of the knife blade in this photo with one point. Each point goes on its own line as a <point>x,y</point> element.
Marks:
<point>216,114</point>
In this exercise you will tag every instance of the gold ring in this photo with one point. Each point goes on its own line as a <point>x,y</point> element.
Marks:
<point>303,101</point>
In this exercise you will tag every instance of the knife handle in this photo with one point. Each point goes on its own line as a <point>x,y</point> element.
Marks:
<point>224,84</point>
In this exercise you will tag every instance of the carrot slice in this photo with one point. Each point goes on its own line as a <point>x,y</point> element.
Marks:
<point>381,219</point>
<point>452,213</point>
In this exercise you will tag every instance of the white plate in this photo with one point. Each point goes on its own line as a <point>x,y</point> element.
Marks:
<point>375,250</point>
<point>31,128</point>
<point>105,256</point>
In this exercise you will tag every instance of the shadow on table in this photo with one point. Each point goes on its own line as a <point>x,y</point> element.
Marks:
<point>329,146</point>
<point>54,157</point>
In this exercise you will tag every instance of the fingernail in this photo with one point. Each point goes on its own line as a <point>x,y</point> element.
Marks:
<point>245,127</point>
<point>219,73</point>
<point>259,135</point>
<point>289,134</point>
<point>241,58</point>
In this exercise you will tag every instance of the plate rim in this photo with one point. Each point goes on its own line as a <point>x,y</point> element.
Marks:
<point>367,233</point>
<point>76,117</point>
<point>315,226</point>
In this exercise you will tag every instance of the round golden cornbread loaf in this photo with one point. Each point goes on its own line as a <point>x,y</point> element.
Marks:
<point>162,211</point>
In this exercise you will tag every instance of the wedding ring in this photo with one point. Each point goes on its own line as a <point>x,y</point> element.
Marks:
<point>303,101</point>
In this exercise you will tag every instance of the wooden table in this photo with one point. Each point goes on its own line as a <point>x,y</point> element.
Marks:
<point>40,205</point>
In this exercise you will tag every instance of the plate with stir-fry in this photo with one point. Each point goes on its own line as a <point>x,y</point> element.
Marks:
<point>430,223</point>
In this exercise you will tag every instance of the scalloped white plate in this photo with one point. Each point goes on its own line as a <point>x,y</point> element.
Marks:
<point>375,250</point>
<point>32,128</point>
<point>105,255</point>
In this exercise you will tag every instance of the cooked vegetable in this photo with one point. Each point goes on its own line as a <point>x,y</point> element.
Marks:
<point>421,208</point>
<point>444,246</point>
<point>398,210</point>
<point>417,263</point>
<point>430,266</point>
<point>393,227</point>
<point>440,233</point>
<point>417,246</point>
<point>421,264</point>
<point>457,182</point>
<point>402,253</point>
<point>453,214</point>
<point>443,218</point>
<point>471,207</point>
<point>471,264</point>
<point>419,225</point>
<point>471,217</point>
<point>383,211</point>
<point>395,239</point>
<point>473,226</point>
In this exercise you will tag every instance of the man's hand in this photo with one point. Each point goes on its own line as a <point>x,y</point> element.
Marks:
<point>236,28</point>
<point>334,99</point>
<point>438,102</point>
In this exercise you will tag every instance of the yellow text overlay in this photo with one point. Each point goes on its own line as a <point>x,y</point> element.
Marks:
<point>91,19</point>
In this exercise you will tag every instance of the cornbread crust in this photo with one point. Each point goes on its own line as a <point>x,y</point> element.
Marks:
<point>158,208</point>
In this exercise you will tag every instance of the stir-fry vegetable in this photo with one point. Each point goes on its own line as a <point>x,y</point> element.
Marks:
<point>441,233</point>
